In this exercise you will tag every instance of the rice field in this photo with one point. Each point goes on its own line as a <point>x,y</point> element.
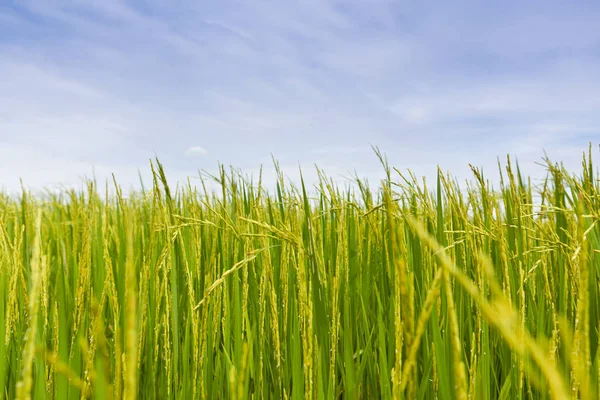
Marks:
<point>412,290</point>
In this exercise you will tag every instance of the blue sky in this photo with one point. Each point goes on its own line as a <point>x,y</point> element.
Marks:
<point>108,84</point>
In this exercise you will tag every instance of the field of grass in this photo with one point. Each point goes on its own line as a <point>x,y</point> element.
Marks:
<point>412,291</point>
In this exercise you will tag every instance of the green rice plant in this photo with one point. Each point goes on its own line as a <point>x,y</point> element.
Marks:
<point>394,291</point>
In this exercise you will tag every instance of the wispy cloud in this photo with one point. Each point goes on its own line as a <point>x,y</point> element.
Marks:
<point>109,84</point>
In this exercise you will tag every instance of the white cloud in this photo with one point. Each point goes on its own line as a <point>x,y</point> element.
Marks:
<point>195,151</point>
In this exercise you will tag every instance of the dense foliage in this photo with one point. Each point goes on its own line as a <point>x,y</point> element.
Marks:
<point>405,291</point>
